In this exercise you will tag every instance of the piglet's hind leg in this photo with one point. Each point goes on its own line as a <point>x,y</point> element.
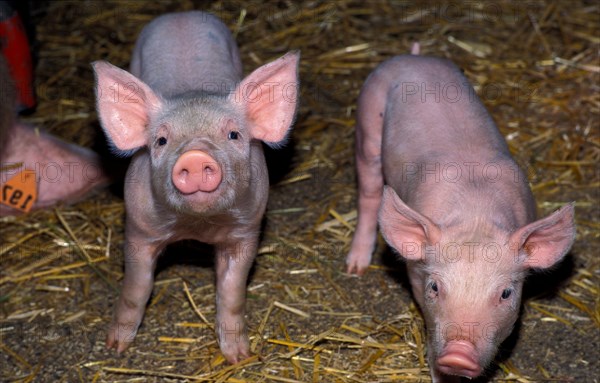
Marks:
<point>369,129</point>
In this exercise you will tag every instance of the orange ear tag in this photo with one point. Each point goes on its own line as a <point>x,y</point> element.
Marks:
<point>20,192</point>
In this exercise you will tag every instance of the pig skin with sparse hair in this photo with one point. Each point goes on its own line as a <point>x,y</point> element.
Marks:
<point>455,206</point>
<point>198,171</point>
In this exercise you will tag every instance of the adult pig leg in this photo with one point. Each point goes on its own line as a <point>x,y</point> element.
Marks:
<point>65,172</point>
<point>233,263</point>
<point>369,127</point>
<point>140,263</point>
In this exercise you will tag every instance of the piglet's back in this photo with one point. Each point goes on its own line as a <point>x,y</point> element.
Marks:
<point>204,57</point>
<point>436,109</point>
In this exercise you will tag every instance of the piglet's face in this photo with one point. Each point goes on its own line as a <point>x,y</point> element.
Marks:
<point>468,278</point>
<point>470,300</point>
<point>198,143</point>
<point>200,156</point>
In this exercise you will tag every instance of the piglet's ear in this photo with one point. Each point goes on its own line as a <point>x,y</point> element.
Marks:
<point>543,243</point>
<point>124,105</point>
<point>403,228</point>
<point>269,97</point>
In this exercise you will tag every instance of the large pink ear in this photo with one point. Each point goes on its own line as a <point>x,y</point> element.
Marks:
<point>403,228</point>
<point>269,97</point>
<point>546,241</point>
<point>124,105</point>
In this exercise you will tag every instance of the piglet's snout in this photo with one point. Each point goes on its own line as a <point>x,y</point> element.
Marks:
<point>196,171</point>
<point>459,358</point>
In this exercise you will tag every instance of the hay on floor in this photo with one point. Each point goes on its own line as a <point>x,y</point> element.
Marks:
<point>534,64</point>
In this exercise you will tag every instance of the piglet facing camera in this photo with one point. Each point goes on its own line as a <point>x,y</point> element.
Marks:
<point>194,128</point>
<point>455,206</point>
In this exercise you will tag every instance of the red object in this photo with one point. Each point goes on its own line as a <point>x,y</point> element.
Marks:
<point>15,47</point>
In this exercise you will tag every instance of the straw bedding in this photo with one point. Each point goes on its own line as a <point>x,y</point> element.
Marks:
<point>534,64</point>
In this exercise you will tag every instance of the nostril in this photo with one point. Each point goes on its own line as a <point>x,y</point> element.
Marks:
<point>459,358</point>
<point>195,171</point>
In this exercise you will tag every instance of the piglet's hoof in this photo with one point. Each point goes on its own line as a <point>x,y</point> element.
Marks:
<point>120,336</point>
<point>357,265</point>
<point>236,352</point>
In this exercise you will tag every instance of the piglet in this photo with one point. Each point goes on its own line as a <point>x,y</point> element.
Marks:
<point>455,206</point>
<point>198,170</point>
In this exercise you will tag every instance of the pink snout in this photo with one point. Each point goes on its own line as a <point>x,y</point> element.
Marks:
<point>458,358</point>
<point>196,171</point>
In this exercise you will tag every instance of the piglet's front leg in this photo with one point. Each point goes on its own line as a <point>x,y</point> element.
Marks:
<point>140,263</point>
<point>233,263</point>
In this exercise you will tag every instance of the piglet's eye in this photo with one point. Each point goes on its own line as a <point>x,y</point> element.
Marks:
<point>506,293</point>
<point>233,135</point>
<point>432,290</point>
<point>161,141</point>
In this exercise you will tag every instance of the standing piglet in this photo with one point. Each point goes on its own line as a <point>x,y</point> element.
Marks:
<point>198,171</point>
<point>455,206</point>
